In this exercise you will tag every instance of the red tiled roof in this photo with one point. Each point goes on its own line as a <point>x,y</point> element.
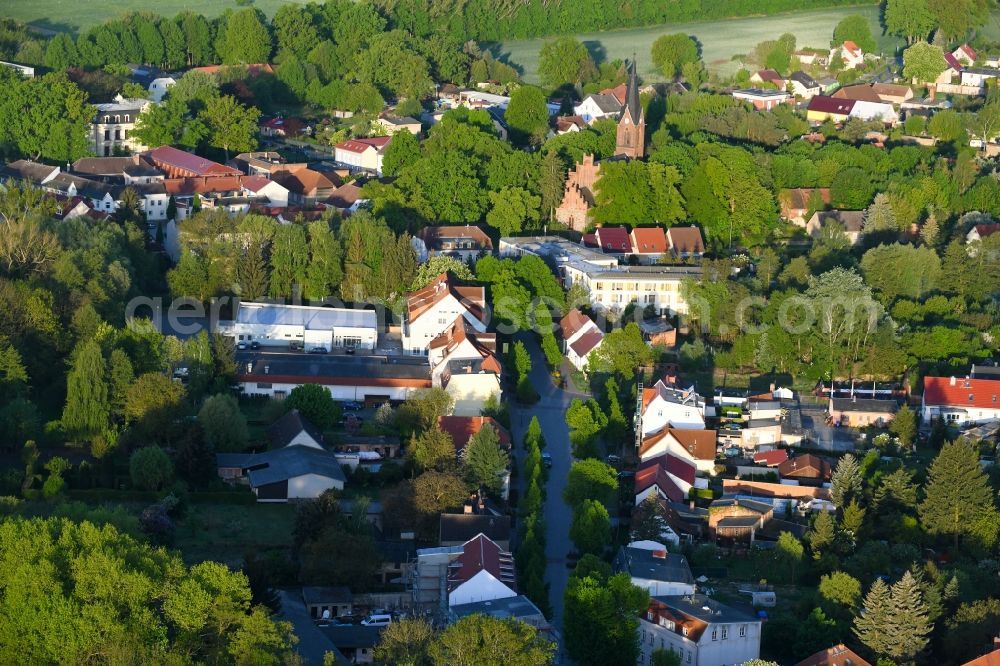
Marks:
<point>969,52</point>
<point>587,342</point>
<point>838,655</point>
<point>422,300</point>
<point>852,47</point>
<point>859,93</point>
<point>770,75</point>
<point>985,230</point>
<point>563,123</point>
<point>202,185</point>
<point>771,458</point>
<point>432,235</point>
<point>613,239</point>
<point>649,240</point>
<point>989,659</point>
<point>653,473</point>
<point>478,554</point>
<point>618,92</point>
<point>953,62</point>
<point>589,240</point>
<point>180,159</point>
<point>979,393</point>
<point>826,104</point>
<point>254,183</point>
<point>573,323</point>
<point>345,196</point>
<point>462,428</point>
<point>303,181</point>
<point>361,145</point>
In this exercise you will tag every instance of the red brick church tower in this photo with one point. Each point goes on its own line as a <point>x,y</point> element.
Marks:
<point>631,135</point>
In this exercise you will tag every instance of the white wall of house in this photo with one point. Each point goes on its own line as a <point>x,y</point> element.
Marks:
<point>958,414</point>
<point>418,334</point>
<point>589,111</point>
<point>729,651</point>
<point>481,587</point>
<point>276,194</point>
<point>155,206</point>
<point>353,392</point>
<point>670,445</point>
<point>874,111</point>
<point>658,588</point>
<point>311,486</point>
<point>305,439</point>
<point>369,159</point>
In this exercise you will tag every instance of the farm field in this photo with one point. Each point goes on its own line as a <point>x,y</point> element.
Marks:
<point>720,40</point>
<point>75,14</point>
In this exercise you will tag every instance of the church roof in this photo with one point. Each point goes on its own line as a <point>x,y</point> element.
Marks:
<point>632,106</point>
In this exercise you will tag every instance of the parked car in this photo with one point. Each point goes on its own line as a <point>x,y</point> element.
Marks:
<point>241,345</point>
<point>351,406</point>
<point>547,459</point>
<point>254,345</point>
<point>349,351</point>
<point>377,620</point>
<point>294,346</point>
<point>318,350</point>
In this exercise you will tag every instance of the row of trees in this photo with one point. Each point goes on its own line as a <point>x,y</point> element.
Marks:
<point>530,556</point>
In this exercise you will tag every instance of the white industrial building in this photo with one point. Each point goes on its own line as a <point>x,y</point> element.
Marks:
<point>273,325</point>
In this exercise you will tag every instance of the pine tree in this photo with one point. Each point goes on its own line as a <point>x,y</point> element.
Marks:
<point>908,622</point>
<point>931,229</point>
<point>871,625</point>
<point>846,481</point>
<point>87,410</point>
<point>485,462</point>
<point>854,519</point>
<point>252,272</point>
<point>957,494</point>
<point>823,534</point>
<point>879,216</point>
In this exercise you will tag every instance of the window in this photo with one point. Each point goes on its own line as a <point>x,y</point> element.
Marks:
<point>107,135</point>
<point>725,633</point>
<point>263,385</point>
<point>743,631</point>
<point>715,634</point>
<point>690,652</point>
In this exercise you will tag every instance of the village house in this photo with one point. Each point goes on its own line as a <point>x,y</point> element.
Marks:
<point>297,466</point>
<point>606,104</point>
<point>327,603</point>
<point>803,85</point>
<point>823,107</point>
<point>858,413</point>
<point>305,186</point>
<point>750,434</point>
<point>850,54</point>
<point>432,310</point>
<point>796,203</point>
<point>771,458</point>
<point>851,222</point>
<point>580,337</point>
<point>649,244</point>
<point>263,189</point>
<point>465,242</point>
<point>965,54</point>
<point>348,198</point>
<point>156,81</point>
<point>263,163</point>
<point>518,608</point>
<point>664,405</point>
<point>567,125</point>
<point>980,231</point>
<point>654,569</point>
<point>698,447</point>
<point>805,468</point>
<point>699,629</point>
<point>392,124</point>
<point>176,163</point>
<point>762,100</point>
<point>362,154</point>
<point>978,76</point>
<point>665,476</point>
<point>959,401</point>
<point>610,240</point>
<point>283,127</point>
<point>870,104</point>
<point>768,76</point>
<point>478,570</point>
<point>112,126</point>
<point>464,363</point>
<point>462,429</point>
<point>685,243</point>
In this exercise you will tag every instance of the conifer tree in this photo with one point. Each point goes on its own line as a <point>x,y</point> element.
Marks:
<point>906,633</point>
<point>822,535</point>
<point>871,625</point>
<point>957,494</point>
<point>879,216</point>
<point>485,461</point>
<point>931,229</point>
<point>845,481</point>
<point>86,412</point>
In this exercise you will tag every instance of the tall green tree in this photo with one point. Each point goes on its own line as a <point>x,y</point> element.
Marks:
<point>86,413</point>
<point>223,424</point>
<point>485,461</point>
<point>876,615</point>
<point>622,352</point>
<point>402,151</point>
<point>315,403</point>
<point>481,639</point>
<point>591,527</point>
<point>909,620</point>
<point>591,479</point>
<point>846,480</point>
<point>923,62</point>
<point>565,61</point>
<point>289,261</point>
<point>602,619</point>
<point>671,52</point>
<point>910,19</point>
<point>231,125</point>
<point>857,29</point>
<point>150,468</point>
<point>513,209</point>
<point>527,116</point>
<point>323,273</point>
<point>294,30</point>
<point>247,39</point>
<point>957,497</point>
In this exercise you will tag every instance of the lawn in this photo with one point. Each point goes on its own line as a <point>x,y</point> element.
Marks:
<point>720,40</point>
<point>224,532</point>
<point>70,15</point>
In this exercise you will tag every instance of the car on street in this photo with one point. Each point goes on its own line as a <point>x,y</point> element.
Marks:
<point>351,406</point>
<point>241,345</point>
<point>547,459</point>
<point>318,350</point>
<point>254,345</point>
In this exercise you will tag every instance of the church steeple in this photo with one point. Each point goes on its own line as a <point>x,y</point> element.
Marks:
<point>631,135</point>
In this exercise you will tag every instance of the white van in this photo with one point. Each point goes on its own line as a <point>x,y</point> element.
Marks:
<point>377,620</point>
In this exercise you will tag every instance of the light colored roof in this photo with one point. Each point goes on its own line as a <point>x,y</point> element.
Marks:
<point>311,317</point>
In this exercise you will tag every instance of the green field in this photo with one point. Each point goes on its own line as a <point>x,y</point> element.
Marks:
<point>720,40</point>
<point>73,15</point>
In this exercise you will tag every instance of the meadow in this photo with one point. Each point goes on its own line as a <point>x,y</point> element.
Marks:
<point>720,40</point>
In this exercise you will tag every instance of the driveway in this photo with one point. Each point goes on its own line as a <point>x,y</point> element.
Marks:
<point>551,413</point>
<point>825,436</point>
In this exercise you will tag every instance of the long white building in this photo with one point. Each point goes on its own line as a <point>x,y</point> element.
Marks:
<point>611,285</point>
<point>273,325</point>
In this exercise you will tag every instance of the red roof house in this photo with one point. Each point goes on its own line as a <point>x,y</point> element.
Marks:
<point>461,429</point>
<point>771,458</point>
<point>175,163</point>
<point>613,240</point>
<point>649,240</point>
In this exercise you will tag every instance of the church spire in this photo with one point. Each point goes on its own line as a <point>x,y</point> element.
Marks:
<point>631,135</point>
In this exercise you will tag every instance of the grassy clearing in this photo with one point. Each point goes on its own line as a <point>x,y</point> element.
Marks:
<point>720,40</point>
<point>73,15</point>
<point>225,532</point>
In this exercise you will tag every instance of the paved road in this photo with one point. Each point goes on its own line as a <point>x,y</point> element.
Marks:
<point>551,413</point>
<point>825,436</point>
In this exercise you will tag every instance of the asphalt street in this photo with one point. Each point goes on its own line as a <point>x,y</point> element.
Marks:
<point>551,413</point>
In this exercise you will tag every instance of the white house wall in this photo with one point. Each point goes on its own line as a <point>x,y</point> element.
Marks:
<point>342,393</point>
<point>481,587</point>
<point>470,392</point>
<point>311,486</point>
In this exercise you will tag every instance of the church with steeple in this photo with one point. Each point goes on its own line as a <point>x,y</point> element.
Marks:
<point>630,140</point>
